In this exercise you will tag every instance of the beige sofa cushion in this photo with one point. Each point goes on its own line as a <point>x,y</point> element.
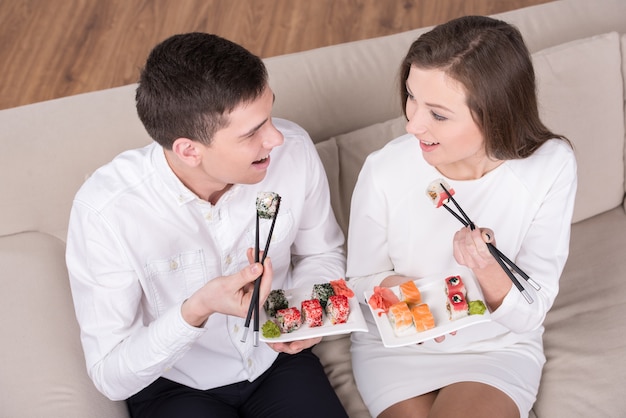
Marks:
<point>90,128</point>
<point>623,42</point>
<point>586,72</point>
<point>36,309</point>
<point>584,340</point>
<point>350,152</point>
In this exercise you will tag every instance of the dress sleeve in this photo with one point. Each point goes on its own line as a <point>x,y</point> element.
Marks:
<point>543,252</point>
<point>368,252</point>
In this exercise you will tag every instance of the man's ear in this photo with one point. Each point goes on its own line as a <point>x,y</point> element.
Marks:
<point>187,151</point>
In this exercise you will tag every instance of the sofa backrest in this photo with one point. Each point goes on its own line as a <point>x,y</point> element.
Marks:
<point>344,95</point>
<point>352,106</point>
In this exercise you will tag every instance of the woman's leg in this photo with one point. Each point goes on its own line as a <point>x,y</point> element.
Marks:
<point>417,407</point>
<point>475,400</point>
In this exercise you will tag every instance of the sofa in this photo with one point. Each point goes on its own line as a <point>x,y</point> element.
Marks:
<point>345,96</point>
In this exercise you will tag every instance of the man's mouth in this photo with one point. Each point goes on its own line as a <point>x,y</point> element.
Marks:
<point>261,160</point>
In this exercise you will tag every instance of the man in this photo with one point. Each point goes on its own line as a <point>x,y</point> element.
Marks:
<point>159,245</point>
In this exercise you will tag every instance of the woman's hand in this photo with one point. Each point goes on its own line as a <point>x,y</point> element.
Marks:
<point>470,247</point>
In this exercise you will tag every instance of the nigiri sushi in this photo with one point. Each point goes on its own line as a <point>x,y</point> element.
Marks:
<point>410,293</point>
<point>400,318</point>
<point>422,317</point>
<point>437,194</point>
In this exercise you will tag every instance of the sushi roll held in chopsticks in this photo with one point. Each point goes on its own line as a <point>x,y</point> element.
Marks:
<point>267,204</point>
<point>437,194</point>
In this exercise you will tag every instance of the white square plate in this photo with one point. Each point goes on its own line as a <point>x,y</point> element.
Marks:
<point>433,291</point>
<point>355,322</point>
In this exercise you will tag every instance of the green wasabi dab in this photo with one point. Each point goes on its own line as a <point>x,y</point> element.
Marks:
<point>477,307</point>
<point>270,330</point>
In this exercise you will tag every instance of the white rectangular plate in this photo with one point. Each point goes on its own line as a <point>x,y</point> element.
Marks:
<point>433,291</point>
<point>355,322</point>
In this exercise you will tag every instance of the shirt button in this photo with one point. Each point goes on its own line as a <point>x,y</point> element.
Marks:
<point>228,260</point>
<point>249,362</point>
<point>209,216</point>
<point>173,265</point>
<point>236,328</point>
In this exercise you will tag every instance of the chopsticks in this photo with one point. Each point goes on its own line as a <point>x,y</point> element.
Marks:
<point>502,260</point>
<point>254,301</point>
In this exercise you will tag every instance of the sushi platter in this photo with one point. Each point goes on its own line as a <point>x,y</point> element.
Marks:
<point>433,293</point>
<point>355,321</point>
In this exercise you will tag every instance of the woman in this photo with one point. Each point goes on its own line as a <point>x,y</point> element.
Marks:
<point>468,91</point>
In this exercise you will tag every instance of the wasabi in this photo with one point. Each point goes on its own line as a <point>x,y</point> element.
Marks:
<point>270,330</point>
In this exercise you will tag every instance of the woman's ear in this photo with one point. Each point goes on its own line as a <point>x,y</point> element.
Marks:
<point>187,151</point>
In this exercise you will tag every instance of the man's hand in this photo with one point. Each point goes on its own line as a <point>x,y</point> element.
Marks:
<point>229,295</point>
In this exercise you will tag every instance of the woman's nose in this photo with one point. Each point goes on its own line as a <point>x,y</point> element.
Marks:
<point>415,124</point>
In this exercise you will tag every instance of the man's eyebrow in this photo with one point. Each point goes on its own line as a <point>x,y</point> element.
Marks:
<point>253,130</point>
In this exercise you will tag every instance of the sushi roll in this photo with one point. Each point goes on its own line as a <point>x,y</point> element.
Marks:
<point>400,318</point>
<point>410,293</point>
<point>267,204</point>
<point>322,292</point>
<point>340,287</point>
<point>275,301</point>
<point>422,317</point>
<point>288,319</point>
<point>437,194</point>
<point>457,306</point>
<point>338,309</point>
<point>311,311</point>
<point>454,284</point>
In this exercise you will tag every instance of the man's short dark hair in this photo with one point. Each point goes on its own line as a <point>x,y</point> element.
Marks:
<point>191,82</point>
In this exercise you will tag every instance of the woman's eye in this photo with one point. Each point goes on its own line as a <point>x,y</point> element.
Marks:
<point>437,116</point>
<point>409,96</point>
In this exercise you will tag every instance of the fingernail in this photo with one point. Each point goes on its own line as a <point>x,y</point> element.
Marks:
<point>255,269</point>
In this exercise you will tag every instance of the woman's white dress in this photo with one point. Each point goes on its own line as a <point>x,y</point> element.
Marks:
<point>395,229</point>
